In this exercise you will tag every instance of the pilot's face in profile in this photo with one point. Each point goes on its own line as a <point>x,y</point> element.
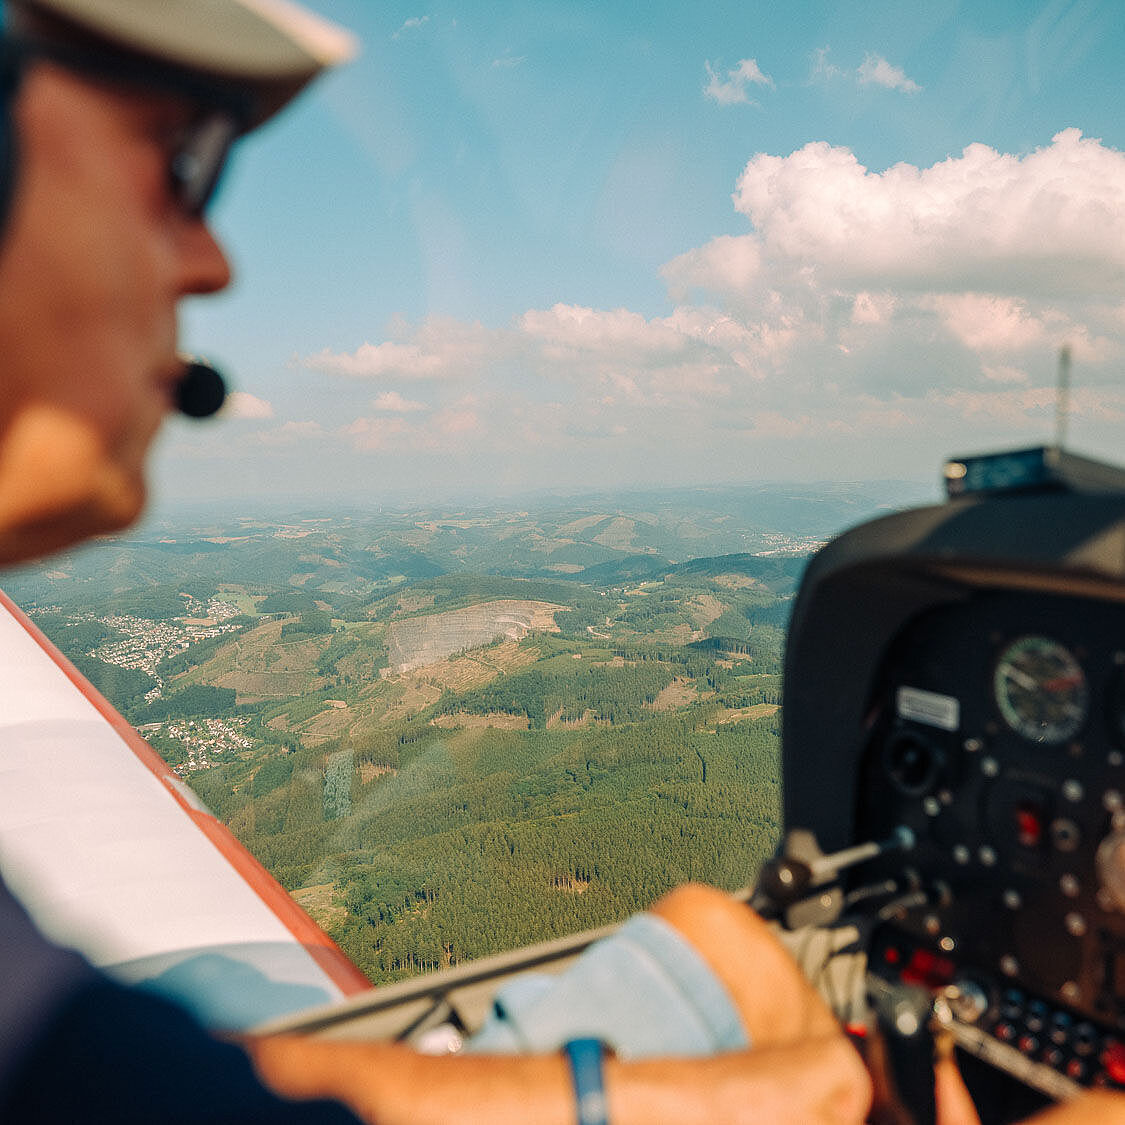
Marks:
<point>96,254</point>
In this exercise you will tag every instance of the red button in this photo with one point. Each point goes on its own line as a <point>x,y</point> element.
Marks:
<point>1113,1059</point>
<point>1029,826</point>
<point>928,969</point>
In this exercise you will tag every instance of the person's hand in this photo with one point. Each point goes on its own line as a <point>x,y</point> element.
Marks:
<point>800,1066</point>
<point>1095,1107</point>
<point>799,1070</point>
<point>954,1105</point>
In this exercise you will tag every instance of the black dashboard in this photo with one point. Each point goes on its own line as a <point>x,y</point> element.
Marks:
<point>960,672</point>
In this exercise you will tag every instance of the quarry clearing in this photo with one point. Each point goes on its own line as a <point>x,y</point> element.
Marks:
<point>420,641</point>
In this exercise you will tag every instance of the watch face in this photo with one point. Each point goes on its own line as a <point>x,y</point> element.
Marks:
<point>1041,690</point>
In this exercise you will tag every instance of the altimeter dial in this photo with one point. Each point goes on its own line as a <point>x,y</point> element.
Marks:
<point>1041,690</point>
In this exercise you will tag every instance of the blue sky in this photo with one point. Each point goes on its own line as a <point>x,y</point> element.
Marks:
<point>590,245</point>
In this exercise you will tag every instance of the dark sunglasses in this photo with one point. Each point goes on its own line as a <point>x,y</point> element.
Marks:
<point>200,152</point>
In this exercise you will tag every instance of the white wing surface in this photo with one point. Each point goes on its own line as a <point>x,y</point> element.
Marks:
<point>112,854</point>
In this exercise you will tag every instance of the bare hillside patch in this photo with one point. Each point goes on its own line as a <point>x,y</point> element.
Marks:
<point>496,720</point>
<point>419,641</point>
<point>261,665</point>
<point>416,696</point>
<point>556,720</point>
<point>679,693</point>
<point>735,581</point>
<point>704,609</point>
<point>368,771</point>
<point>618,535</point>
<point>737,714</point>
<point>583,524</point>
<point>319,903</point>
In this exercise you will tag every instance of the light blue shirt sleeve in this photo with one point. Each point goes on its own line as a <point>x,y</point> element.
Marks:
<point>644,991</point>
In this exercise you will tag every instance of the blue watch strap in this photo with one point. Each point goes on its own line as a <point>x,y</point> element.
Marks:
<point>585,1057</point>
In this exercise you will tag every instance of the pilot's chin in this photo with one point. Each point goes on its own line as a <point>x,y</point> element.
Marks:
<point>119,503</point>
<point>104,511</point>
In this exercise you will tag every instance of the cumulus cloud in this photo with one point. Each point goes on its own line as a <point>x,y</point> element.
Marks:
<point>732,261</point>
<point>574,328</point>
<point>438,432</point>
<point>1050,221</point>
<point>876,71</point>
<point>873,308</point>
<point>391,402</point>
<point>732,88</point>
<point>918,304</point>
<point>438,348</point>
<point>987,323</point>
<point>240,404</point>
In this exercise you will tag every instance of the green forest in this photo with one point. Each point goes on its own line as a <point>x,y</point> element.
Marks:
<point>615,735</point>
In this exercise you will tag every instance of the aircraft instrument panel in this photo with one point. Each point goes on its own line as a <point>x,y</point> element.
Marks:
<point>998,738</point>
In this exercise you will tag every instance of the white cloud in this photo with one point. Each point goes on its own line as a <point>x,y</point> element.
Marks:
<point>391,402</point>
<point>873,308</point>
<point>371,434</point>
<point>290,433</point>
<point>731,89</point>
<point>986,323</point>
<point>457,420</point>
<point>574,328</point>
<point>374,360</point>
<point>822,69</point>
<point>240,404</point>
<point>918,305</point>
<point>873,71</point>
<point>1050,221</point>
<point>508,62</point>
<point>437,348</point>
<point>876,71</point>
<point>412,24</point>
<point>734,261</point>
<point>438,433</point>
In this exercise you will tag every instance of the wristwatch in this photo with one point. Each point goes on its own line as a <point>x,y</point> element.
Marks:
<point>585,1057</point>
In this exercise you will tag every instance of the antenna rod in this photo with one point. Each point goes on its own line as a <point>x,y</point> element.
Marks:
<point>1062,397</point>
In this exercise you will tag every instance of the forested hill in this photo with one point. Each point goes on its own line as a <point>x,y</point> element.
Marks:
<point>442,762</point>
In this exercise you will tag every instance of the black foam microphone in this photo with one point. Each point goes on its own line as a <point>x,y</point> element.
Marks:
<point>200,391</point>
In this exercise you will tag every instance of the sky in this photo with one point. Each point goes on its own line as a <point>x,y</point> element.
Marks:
<point>575,246</point>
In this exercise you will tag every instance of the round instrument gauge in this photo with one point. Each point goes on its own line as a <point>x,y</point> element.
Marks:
<point>1041,690</point>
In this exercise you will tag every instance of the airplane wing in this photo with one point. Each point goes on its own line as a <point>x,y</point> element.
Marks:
<point>112,854</point>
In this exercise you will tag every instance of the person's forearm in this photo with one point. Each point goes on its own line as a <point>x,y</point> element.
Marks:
<point>1095,1107</point>
<point>393,1085</point>
<point>819,1082</point>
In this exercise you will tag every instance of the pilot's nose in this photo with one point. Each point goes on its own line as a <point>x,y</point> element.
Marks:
<point>203,265</point>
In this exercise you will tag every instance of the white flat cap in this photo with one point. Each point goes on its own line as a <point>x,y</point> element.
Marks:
<point>271,48</point>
